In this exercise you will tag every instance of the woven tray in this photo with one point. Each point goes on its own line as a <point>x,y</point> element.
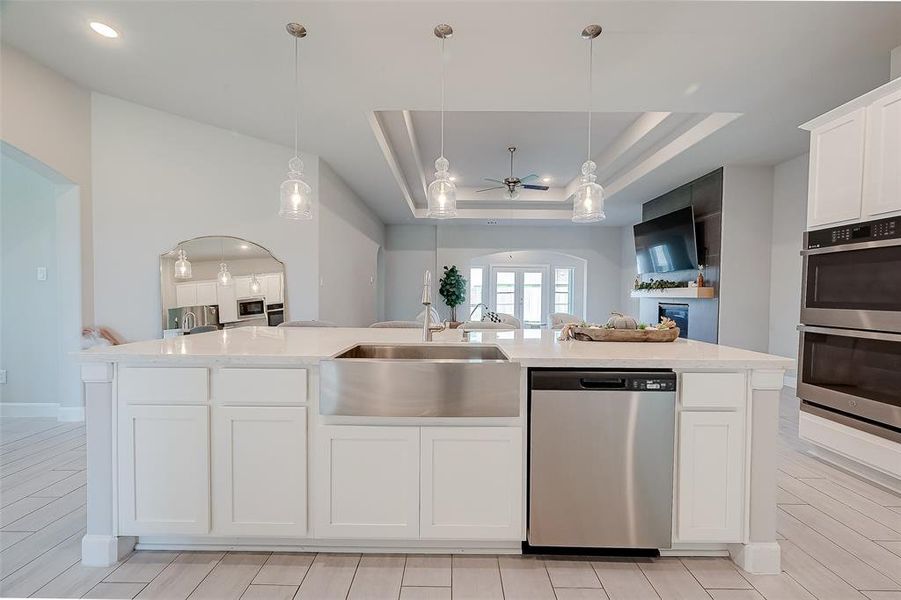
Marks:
<point>601,334</point>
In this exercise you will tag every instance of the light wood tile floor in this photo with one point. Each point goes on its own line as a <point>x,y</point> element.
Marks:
<point>840,537</point>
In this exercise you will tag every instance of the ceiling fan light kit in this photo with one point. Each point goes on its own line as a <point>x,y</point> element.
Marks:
<point>588,201</point>
<point>296,195</point>
<point>442,193</point>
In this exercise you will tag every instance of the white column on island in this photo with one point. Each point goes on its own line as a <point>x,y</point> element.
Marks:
<point>762,555</point>
<point>100,546</point>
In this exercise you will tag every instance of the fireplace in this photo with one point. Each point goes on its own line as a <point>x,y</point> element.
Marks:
<point>676,312</point>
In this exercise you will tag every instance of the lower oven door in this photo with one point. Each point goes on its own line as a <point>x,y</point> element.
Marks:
<point>854,372</point>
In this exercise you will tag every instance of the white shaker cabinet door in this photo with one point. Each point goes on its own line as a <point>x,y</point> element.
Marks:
<point>260,470</point>
<point>228,303</point>
<point>711,481</point>
<point>273,288</point>
<point>206,293</point>
<point>367,482</point>
<point>472,483</point>
<point>185,294</point>
<point>882,183</point>
<point>242,286</point>
<point>836,170</point>
<point>164,469</point>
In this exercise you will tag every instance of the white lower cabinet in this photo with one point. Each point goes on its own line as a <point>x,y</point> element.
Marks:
<point>259,477</point>
<point>164,469</point>
<point>711,476</point>
<point>367,482</point>
<point>471,480</point>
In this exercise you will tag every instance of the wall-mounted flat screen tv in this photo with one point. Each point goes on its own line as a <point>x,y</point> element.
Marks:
<point>667,243</point>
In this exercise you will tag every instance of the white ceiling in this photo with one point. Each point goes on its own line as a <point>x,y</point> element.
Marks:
<point>229,64</point>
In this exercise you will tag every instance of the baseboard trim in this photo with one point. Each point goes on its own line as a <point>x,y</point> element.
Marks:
<point>70,414</point>
<point>28,409</point>
<point>758,558</point>
<point>104,550</point>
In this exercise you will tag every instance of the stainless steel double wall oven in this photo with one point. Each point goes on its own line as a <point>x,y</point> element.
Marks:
<point>849,364</point>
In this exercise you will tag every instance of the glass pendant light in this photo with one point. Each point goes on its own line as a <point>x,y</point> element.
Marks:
<point>588,201</point>
<point>224,277</point>
<point>182,266</point>
<point>255,285</point>
<point>442,193</point>
<point>296,194</point>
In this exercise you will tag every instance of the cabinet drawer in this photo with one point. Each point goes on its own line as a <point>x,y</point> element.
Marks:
<point>163,385</point>
<point>713,390</point>
<point>260,386</point>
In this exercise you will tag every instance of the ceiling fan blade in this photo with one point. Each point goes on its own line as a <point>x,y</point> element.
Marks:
<point>493,180</point>
<point>543,188</point>
<point>499,187</point>
<point>527,177</point>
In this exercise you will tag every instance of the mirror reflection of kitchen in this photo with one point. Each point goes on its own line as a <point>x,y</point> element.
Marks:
<point>215,282</point>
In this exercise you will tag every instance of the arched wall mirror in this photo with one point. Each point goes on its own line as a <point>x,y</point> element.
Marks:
<point>216,282</point>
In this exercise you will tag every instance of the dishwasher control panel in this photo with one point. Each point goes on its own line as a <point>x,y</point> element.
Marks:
<point>653,385</point>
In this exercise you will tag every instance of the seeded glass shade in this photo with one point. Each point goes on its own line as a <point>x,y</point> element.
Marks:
<point>442,193</point>
<point>224,277</point>
<point>296,194</point>
<point>182,266</point>
<point>588,202</point>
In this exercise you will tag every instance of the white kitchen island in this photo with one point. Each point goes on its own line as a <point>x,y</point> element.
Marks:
<point>216,441</point>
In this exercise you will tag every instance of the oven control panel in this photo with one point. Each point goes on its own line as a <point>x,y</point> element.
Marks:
<point>871,231</point>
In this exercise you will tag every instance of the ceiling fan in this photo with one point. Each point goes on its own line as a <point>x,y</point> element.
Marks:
<point>512,183</point>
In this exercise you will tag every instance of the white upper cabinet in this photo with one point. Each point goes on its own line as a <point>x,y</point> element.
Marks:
<point>186,294</point>
<point>228,303</point>
<point>836,170</point>
<point>206,293</point>
<point>273,288</point>
<point>242,286</point>
<point>855,151</point>
<point>882,178</point>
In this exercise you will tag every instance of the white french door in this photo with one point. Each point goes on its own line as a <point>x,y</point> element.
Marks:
<point>520,291</point>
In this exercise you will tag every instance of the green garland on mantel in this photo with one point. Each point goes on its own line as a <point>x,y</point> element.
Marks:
<point>659,284</point>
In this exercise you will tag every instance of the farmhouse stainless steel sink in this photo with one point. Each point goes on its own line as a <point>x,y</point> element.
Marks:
<point>420,380</point>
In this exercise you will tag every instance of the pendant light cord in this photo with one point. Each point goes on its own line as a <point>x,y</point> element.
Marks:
<point>442,96</point>
<point>296,94</point>
<point>590,90</point>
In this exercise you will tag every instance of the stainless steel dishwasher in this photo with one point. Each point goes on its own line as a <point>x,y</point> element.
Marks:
<point>601,459</point>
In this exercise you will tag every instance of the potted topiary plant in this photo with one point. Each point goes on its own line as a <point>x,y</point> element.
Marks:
<point>453,289</point>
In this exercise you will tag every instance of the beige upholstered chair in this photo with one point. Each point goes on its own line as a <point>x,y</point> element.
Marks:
<point>558,320</point>
<point>397,324</point>
<point>308,324</point>
<point>485,326</point>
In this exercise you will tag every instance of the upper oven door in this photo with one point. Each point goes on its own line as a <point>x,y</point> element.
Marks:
<point>853,285</point>
<point>854,372</point>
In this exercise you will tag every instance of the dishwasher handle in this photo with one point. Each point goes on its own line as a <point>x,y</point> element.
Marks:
<point>603,383</point>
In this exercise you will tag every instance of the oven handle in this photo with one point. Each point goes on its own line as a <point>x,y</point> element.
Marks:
<point>849,247</point>
<point>855,333</point>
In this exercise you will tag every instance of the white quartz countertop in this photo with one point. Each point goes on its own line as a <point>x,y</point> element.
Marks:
<point>275,346</point>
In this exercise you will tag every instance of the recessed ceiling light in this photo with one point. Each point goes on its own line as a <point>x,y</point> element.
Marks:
<point>244,246</point>
<point>104,29</point>
<point>547,179</point>
<point>692,88</point>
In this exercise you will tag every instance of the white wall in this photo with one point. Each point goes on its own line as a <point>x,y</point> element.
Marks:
<point>350,236</point>
<point>48,117</point>
<point>413,248</point>
<point>896,63</point>
<point>789,223</point>
<point>409,251</point>
<point>745,264</point>
<point>628,271</point>
<point>159,179</point>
